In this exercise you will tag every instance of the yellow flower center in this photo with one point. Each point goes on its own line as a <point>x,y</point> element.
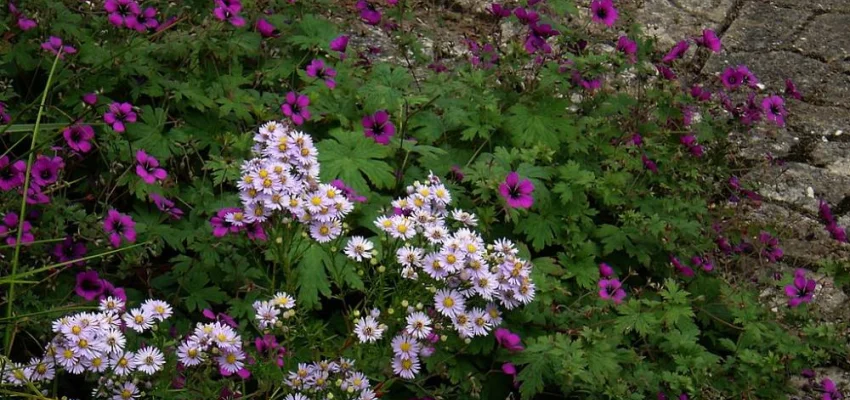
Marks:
<point>96,361</point>
<point>139,319</point>
<point>331,193</point>
<point>248,179</point>
<point>324,230</point>
<point>462,319</point>
<point>451,258</point>
<point>159,309</point>
<point>123,362</point>
<point>192,353</point>
<point>471,248</point>
<point>405,346</point>
<point>41,369</point>
<point>387,223</point>
<point>316,200</point>
<point>231,358</point>
<point>440,193</point>
<point>406,364</point>
<point>68,354</point>
<point>418,202</point>
<point>402,228</point>
<point>263,173</point>
<point>76,330</point>
<point>83,343</point>
<point>267,183</point>
<point>126,394</point>
<point>448,302</point>
<point>305,152</point>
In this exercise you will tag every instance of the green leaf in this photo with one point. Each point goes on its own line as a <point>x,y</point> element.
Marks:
<point>312,278</point>
<point>540,230</point>
<point>355,159</point>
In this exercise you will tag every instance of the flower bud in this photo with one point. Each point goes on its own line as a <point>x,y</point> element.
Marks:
<point>467,340</point>
<point>404,303</point>
<point>278,324</point>
<point>304,235</point>
<point>443,338</point>
<point>373,261</point>
<point>350,389</point>
<point>360,272</point>
<point>382,269</point>
<point>278,240</point>
<point>338,382</point>
<point>356,313</point>
<point>390,311</point>
<point>330,396</point>
<point>419,306</point>
<point>333,249</point>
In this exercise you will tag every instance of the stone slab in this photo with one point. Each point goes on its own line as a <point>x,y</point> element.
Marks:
<point>790,184</point>
<point>763,27</point>
<point>828,38</point>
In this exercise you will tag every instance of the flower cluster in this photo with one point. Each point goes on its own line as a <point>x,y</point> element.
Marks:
<point>284,176</point>
<point>55,45</point>
<point>469,279</point>
<point>128,14</point>
<point>9,229</point>
<point>214,341</point>
<point>96,343</point>
<point>267,313</point>
<point>118,115</point>
<point>836,231</point>
<point>325,376</point>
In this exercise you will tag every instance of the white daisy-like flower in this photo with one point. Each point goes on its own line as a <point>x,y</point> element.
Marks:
<point>406,368</point>
<point>112,304</point>
<point>419,325</point>
<point>405,346</point>
<point>149,360</point>
<point>231,361</point>
<point>359,248</point>
<point>295,396</point>
<point>114,340</point>
<point>283,300</point>
<point>464,217</point>
<point>123,363</point>
<point>368,330</point>
<point>481,324</point>
<point>402,228</point>
<point>189,353</point>
<point>96,364</point>
<point>409,256</point>
<point>449,302</point>
<point>138,320</point>
<point>41,370</point>
<point>384,223</point>
<point>158,309</point>
<point>266,314</point>
<point>125,391</point>
<point>16,374</point>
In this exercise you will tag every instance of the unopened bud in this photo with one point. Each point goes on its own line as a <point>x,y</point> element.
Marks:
<point>356,313</point>
<point>278,240</point>
<point>404,303</point>
<point>382,269</point>
<point>390,311</point>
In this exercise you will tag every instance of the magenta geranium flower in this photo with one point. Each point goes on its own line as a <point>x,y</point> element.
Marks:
<point>147,168</point>
<point>123,13</point>
<point>690,141</point>
<point>11,173</point>
<point>516,192</point>
<point>230,13</point>
<point>611,289</point>
<point>89,285</point>
<point>4,114</point>
<point>295,108</point>
<point>628,47</point>
<point>774,109</point>
<point>678,51</point>
<point>78,137</point>
<point>735,77</point>
<point>109,290</point>
<point>709,40</point>
<point>801,290</point>
<point>509,340</point>
<point>147,20</point>
<point>317,69</point>
<point>90,98</point>
<point>699,93</point>
<point>649,164</point>
<point>604,12</point>
<point>68,250</point>
<point>340,43</point>
<point>666,72</point>
<point>166,206</point>
<point>681,268</point>
<point>9,230</point>
<point>266,28</point>
<point>378,127</point>
<point>526,16</point>
<point>118,226</point>
<point>499,11</point>
<point>45,170</point>
<point>771,250</point>
<point>830,391</point>
<point>791,90</point>
<point>368,13</point>
<point>36,196</point>
<point>118,115</point>
<point>54,45</point>
<point>605,271</point>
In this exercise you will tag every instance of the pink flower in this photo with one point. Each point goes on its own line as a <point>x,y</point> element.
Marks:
<point>54,45</point>
<point>147,168</point>
<point>604,12</point>
<point>295,108</point>
<point>517,193</point>
<point>378,127</point>
<point>509,340</point>
<point>266,28</point>
<point>118,114</point>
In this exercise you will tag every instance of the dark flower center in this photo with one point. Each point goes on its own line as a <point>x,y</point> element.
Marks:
<point>602,13</point>
<point>124,10</point>
<point>514,191</point>
<point>6,174</point>
<point>89,285</point>
<point>118,227</point>
<point>46,174</point>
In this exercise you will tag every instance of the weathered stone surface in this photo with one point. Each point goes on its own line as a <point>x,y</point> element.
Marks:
<point>670,24</point>
<point>813,78</point>
<point>757,145</point>
<point>827,38</point>
<point>790,184</point>
<point>817,5</point>
<point>808,119</point>
<point>834,156</point>
<point>763,27</point>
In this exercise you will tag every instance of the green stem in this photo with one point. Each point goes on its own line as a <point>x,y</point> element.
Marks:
<point>23,209</point>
